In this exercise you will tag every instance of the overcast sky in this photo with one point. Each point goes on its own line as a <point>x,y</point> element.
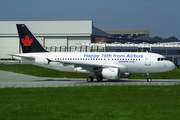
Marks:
<point>161,17</point>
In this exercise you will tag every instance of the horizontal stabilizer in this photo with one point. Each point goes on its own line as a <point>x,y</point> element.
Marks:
<point>22,55</point>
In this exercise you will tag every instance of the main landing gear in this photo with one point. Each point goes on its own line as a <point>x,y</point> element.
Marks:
<point>91,79</point>
<point>148,77</point>
<point>99,78</point>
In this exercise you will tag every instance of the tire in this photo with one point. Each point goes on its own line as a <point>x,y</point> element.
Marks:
<point>99,78</point>
<point>149,79</point>
<point>90,79</point>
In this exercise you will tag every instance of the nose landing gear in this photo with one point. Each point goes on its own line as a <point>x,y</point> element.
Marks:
<point>148,77</point>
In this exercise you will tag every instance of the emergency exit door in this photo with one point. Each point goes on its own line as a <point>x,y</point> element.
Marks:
<point>148,60</point>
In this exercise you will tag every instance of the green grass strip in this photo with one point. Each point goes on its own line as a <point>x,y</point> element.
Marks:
<point>92,102</point>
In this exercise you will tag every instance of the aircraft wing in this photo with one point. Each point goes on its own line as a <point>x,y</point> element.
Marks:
<point>87,64</point>
<point>90,65</point>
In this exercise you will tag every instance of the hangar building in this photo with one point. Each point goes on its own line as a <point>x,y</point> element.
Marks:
<point>123,36</point>
<point>49,33</point>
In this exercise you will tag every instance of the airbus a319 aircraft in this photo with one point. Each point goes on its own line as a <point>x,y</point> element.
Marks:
<point>108,65</point>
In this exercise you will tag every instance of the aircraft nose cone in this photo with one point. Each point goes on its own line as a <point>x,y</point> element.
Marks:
<point>171,66</point>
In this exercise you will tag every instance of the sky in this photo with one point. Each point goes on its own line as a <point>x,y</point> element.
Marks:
<point>160,17</point>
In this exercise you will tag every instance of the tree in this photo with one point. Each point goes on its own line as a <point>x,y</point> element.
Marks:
<point>159,39</point>
<point>156,39</point>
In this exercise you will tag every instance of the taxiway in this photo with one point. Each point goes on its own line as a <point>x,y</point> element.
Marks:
<point>10,79</point>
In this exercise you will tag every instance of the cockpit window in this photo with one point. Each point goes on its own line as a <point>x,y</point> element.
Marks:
<point>161,59</point>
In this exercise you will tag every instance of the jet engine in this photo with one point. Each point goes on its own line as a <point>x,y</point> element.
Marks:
<point>126,75</point>
<point>111,73</point>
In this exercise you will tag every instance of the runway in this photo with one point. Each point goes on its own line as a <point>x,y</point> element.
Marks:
<point>14,80</point>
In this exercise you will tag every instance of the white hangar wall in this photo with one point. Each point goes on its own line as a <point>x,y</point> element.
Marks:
<point>8,45</point>
<point>55,41</point>
<point>48,33</point>
<point>66,41</point>
<point>74,41</point>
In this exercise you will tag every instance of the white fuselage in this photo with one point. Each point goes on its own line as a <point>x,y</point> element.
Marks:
<point>132,62</point>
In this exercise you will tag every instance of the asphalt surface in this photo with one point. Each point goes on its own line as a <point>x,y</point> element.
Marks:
<point>10,79</point>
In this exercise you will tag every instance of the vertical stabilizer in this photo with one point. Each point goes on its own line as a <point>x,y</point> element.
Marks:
<point>28,42</point>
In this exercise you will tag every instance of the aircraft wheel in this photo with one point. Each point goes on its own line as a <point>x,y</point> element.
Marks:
<point>149,79</point>
<point>90,79</point>
<point>99,78</point>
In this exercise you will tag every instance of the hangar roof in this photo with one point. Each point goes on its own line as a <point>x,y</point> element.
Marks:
<point>50,28</point>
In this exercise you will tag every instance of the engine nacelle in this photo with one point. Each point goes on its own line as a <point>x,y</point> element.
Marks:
<point>126,75</point>
<point>111,73</point>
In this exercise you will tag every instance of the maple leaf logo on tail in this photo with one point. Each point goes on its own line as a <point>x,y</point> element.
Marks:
<point>27,42</point>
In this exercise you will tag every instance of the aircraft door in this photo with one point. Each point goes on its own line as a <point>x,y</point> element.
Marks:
<point>148,60</point>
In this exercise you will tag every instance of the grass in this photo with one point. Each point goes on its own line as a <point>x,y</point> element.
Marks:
<point>88,102</point>
<point>44,72</point>
<point>92,102</point>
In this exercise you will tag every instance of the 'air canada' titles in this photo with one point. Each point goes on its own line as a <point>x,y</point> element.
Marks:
<point>113,56</point>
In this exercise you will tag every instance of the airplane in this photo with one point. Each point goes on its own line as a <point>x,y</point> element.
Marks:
<point>106,65</point>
